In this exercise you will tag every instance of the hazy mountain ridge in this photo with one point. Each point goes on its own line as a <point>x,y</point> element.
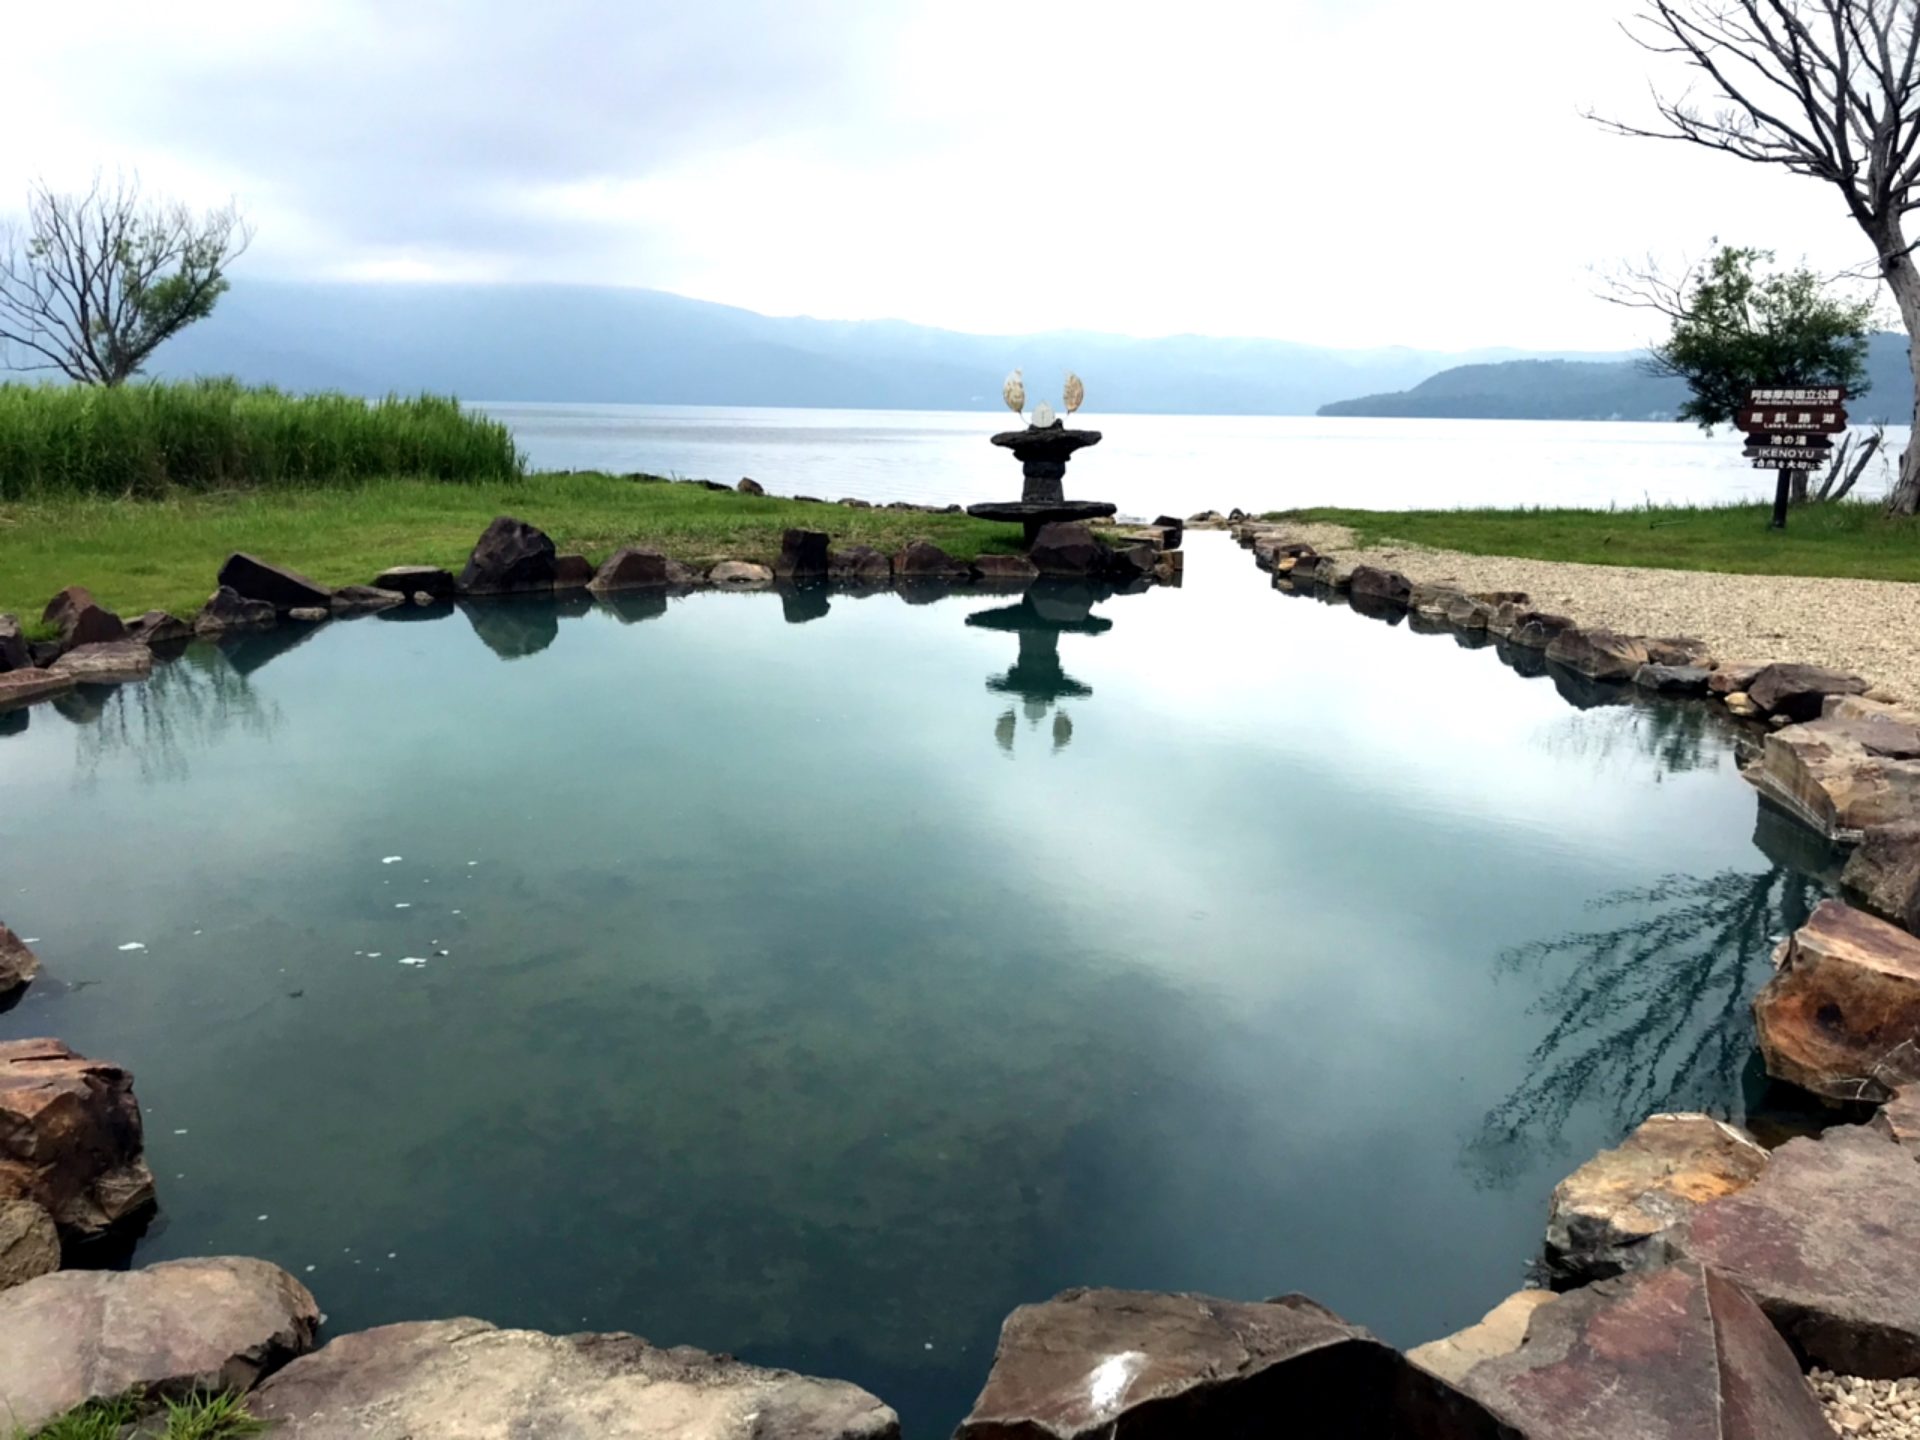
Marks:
<point>1602,390</point>
<point>590,344</point>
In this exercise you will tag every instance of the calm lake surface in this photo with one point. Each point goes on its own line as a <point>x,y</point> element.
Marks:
<point>817,978</point>
<point>1149,464</point>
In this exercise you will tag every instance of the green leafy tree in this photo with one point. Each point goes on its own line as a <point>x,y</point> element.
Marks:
<point>1735,328</point>
<point>93,284</point>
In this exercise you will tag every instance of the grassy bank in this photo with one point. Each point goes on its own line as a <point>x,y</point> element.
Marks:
<point>153,439</point>
<point>137,555</point>
<point>1847,540</point>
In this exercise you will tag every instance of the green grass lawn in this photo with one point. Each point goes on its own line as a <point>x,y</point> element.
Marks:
<point>1855,541</point>
<point>137,555</point>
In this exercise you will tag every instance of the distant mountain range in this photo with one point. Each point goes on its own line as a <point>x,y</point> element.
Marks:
<point>589,344</point>
<point>1603,390</point>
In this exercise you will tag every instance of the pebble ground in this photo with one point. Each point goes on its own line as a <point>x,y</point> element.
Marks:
<point>1869,1409</point>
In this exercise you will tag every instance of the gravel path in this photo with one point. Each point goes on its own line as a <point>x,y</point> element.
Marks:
<point>1869,627</point>
<point>1870,1409</point>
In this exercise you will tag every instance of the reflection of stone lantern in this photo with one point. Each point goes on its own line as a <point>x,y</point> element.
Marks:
<point>1044,614</point>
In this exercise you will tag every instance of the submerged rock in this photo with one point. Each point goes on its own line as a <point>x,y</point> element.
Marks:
<point>29,1246</point>
<point>509,556</point>
<point>80,620</point>
<point>466,1380</point>
<point>1092,1364</point>
<point>227,610</point>
<point>1841,1015</point>
<point>1883,873</point>
<point>1828,1241</point>
<point>1798,691</point>
<point>70,1137</point>
<point>1603,1214</point>
<point>630,569</point>
<point>1599,653</point>
<point>416,579</point>
<point>18,964</point>
<point>254,579</point>
<point>803,555</point>
<point>169,1329</point>
<point>1673,1354</point>
<point>106,664</point>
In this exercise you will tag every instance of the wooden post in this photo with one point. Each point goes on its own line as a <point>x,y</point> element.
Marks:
<point>1780,490</point>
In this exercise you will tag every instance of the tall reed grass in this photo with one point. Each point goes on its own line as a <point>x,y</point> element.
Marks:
<point>151,438</point>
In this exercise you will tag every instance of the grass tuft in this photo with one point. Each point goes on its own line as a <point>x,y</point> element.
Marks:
<point>200,1416</point>
<point>153,438</point>
<point>1847,540</point>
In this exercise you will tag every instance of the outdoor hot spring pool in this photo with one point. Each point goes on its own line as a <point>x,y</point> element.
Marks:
<point>820,991</point>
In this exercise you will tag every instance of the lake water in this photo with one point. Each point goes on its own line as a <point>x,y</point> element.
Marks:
<point>1149,464</point>
<point>817,977</point>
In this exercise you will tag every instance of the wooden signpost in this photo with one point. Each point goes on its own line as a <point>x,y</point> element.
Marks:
<point>1790,428</point>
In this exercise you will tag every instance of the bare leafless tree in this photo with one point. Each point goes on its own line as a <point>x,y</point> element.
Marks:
<point>1826,88</point>
<point>94,283</point>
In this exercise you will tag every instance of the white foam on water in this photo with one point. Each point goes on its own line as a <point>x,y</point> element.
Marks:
<point>133,945</point>
<point>391,859</point>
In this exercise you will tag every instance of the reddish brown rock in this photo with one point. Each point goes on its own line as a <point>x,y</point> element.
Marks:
<point>749,486</point>
<point>509,556</point>
<point>803,555</point>
<point>18,964</point>
<point>1675,1354</point>
<point>860,565</point>
<point>1899,1119</point>
<point>70,1137</point>
<point>572,572</point>
<point>923,560</point>
<point>1385,587</point>
<point>630,569</point>
<point>1828,1241</point>
<point>1603,1214</point>
<point>1798,691</point>
<point>1842,775</point>
<point>1092,1364</point>
<point>29,1244</point>
<point>109,663</point>
<point>24,687</point>
<point>1067,548</point>
<point>1883,873</point>
<point>1536,630</point>
<point>1599,654</point>
<point>170,1329</point>
<point>80,620</point>
<point>465,1380</point>
<point>1841,1016</point>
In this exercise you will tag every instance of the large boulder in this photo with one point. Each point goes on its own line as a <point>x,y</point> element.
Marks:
<point>1603,1214</point>
<point>254,579</point>
<point>80,620</point>
<point>466,1380</point>
<point>803,555</point>
<point>70,1137</point>
<point>18,964</point>
<point>157,627</point>
<point>1841,1015</point>
<point>170,1329</point>
<point>1069,548</point>
<point>572,572</point>
<point>1843,774</point>
<point>1386,587</point>
<point>108,663</point>
<point>1092,1364</point>
<point>1680,652</point>
<point>1673,1354</point>
<point>859,565</point>
<point>228,610</point>
<point>510,555</point>
<point>1798,691</point>
<point>24,687</point>
<point>923,560</point>
<point>630,569</point>
<point>1599,653</point>
<point>1828,1241</point>
<point>1883,873</point>
<point>14,654</point>
<point>416,580</point>
<point>1537,630</point>
<point>29,1243</point>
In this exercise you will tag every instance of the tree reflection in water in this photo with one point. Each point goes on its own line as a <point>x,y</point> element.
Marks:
<point>187,704</point>
<point>1653,1013</point>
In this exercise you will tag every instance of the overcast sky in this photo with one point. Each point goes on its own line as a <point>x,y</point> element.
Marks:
<point>1349,172</point>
